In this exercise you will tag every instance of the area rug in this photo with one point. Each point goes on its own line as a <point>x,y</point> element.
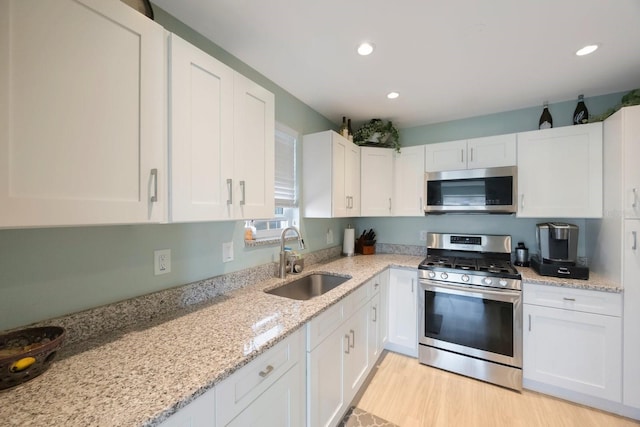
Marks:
<point>356,417</point>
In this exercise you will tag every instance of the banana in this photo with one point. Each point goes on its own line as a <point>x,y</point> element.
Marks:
<point>22,364</point>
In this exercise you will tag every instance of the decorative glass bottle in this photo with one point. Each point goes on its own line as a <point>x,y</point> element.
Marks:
<point>546,121</point>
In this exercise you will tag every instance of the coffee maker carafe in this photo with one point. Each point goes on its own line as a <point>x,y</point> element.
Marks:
<point>558,251</point>
<point>558,242</point>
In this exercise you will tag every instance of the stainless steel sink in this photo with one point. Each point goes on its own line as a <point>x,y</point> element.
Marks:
<point>309,286</point>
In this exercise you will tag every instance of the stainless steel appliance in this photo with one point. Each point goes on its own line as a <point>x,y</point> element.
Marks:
<point>491,190</point>
<point>471,308</point>
<point>558,251</point>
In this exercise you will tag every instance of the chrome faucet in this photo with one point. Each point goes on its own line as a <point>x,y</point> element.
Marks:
<point>283,256</point>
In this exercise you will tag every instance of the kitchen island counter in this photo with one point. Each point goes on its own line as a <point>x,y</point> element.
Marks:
<point>140,374</point>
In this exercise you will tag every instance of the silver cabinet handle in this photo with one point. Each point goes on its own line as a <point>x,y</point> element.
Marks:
<point>375,313</point>
<point>420,207</point>
<point>346,349</point>
<point>635,241</point>
<point>389,204</point>
<point>242,201</point>
<point>353,338</point>
<point>230,191</point>
<point>635,198</point>
<point>266,372</point>
<point>154,176</point>
<point>462,156</point>
<point>522,202</point>
<point>529,323</point>
<point>471,155</point>
<point>568,299</point>
<point>411,285</point>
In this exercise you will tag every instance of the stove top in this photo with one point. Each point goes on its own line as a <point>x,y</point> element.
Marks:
<point>481,260</point>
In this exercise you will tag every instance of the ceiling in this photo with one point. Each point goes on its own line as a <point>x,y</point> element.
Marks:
<point>447,59</point>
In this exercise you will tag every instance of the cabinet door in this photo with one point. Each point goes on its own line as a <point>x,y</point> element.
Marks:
<point>357,357</point>
<point>254,148</point>
<point>199,413</point>
<point>403,334</point>
<point>492,151</point>
<point>325,365</point>
<point>383,312</point>
<point>352,179</point>
<point>375,335</point>
<point>408,181</point>
<point>631,356</point>
<point>339,194</point>
<point>573,350</point>
<point>444,156</point>
<point>560,172</point>
<point>376,181</point>
<point>281,405</point>
<point>201,140</point>
<point>631,159</point>
<point>82,118</point>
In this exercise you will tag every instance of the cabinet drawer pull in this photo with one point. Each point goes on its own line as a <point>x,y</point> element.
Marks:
<point>266,372</point>
<point>230,191</point>
<point>154,176</point>
<point>375,314</point>
<point>353,337</point>
<point>242,201</point>
<point>568,299</point>
<point>346,348</point>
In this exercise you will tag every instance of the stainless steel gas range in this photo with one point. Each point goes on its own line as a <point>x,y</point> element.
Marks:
<point>471,308</point>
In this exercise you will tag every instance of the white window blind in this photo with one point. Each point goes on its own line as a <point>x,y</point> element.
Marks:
<point>285,185</point>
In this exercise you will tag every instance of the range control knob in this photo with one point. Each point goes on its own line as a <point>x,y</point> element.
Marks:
<point>465,278</point>
<point>444,276</point>
<point>431,274</point>
<point>487,281</point>
<point>503,282</point>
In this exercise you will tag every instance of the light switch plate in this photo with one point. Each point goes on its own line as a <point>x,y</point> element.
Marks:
<point>423,235</point>
<point>329,236</point>
<point>162,262</point>
<point>227,252</point>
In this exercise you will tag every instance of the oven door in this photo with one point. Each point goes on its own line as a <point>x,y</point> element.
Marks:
<point>474,321</point>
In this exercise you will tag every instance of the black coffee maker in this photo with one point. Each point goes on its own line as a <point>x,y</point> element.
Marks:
<point>558,251</point>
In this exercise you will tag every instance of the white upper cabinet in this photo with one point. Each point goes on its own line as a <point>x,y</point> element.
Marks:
<point>82,117</point>
<point>222,140</point>
<point>331,176</point>
<point>491,151</point>
<point>254,147</point>
<point>201,138</point>
<point>560,172</point>
<point>408,181</point>
<point>376,181</point>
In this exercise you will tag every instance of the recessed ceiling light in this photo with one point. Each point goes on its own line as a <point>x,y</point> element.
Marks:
<point>393,95</point>
<point>587,50</point>
<point>365,49</point>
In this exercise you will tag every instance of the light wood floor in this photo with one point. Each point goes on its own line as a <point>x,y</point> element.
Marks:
<point>409,394</point>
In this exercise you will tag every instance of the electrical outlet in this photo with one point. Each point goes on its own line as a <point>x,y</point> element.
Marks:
<point>161,261</point>
<point>227,252</point>
<point>329,236</point>
<point>423,235</point>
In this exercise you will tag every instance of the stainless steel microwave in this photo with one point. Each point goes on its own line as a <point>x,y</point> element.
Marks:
<point>490,190</point>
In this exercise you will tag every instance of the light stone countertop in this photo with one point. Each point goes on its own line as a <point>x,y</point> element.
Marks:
<point>595,282</point>
<point>140,375</point>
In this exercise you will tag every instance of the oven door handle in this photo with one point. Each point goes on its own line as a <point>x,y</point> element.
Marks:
<point>469,290</point>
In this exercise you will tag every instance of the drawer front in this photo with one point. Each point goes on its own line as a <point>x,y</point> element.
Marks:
<point>322,326</point>
<point>375,284</point>
<point>584,300</point>
<point>241,388</point>
<point>357,299</point>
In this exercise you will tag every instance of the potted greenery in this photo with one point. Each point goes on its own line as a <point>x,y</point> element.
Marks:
<point>377,133</point>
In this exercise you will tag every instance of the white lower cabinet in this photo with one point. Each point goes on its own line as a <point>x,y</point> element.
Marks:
<point>199,413</point>
<point>572,343</point>
<point>403,300</point>
<point>341,353</point>
<point>250,392</point>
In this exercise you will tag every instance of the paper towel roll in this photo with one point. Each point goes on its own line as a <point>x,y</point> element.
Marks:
<point>348,242</point>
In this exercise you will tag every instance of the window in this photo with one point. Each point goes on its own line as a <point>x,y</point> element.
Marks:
<point>285,191</point>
